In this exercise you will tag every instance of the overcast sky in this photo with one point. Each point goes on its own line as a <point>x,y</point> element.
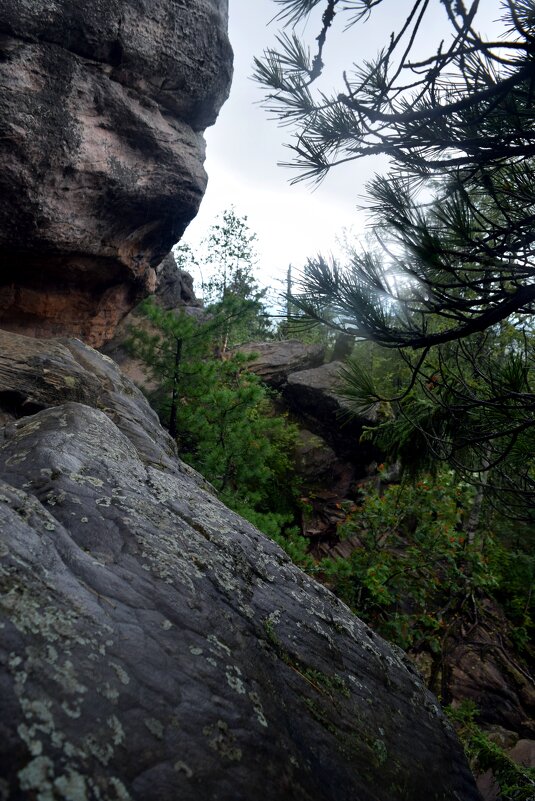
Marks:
<point>243,148</point>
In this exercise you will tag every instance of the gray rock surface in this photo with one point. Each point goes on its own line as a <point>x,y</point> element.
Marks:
<point>275,360</point>
<point>154,645</point>
<point>174,287</point>
<point>313,394</point>
<point>102,109</point>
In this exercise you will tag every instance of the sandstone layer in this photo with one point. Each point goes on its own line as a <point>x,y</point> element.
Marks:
<point>154,645</point>
<point>102,109</point>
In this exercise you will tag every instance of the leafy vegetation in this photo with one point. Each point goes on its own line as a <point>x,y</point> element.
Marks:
<point>225,263</point>
<point>220,414</point>
<point>413,567</point>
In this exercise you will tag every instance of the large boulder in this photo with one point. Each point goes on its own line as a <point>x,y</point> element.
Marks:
<point>314,395</point>
<point>484,668</point>
<point>154,645</point>
<point>102,108</point>
<point>174,287</point>
<point>274,361</point>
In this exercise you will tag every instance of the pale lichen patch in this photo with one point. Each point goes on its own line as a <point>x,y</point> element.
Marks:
<point>234,681</point>
<point>109,692</point>
<point>181,767</point>
<point>259,711</point>
<point>84,479</point>
<point>218,644</point>
<point>122,675</point>
<point>155,727</point>
<point>71,786</point>
<point>17,458</point>
<point>118,735</point>
<point>121,792</point>
<point>222,741</point>
<point>37,776</point>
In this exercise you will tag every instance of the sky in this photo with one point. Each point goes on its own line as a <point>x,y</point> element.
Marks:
<point>292,222</point>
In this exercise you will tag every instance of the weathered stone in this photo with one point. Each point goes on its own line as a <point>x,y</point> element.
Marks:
<point>154,645</point>
<point>314,395</point>
<point>102,108</point>
<point>174,292</point>
<point>315,461</point>
<point>174,287</point>
<point>274,361</point>
<point>523,753</point>
<point>483,668</point>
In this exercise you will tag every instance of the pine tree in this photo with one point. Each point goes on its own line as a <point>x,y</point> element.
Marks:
<point>226,263</point>
<point>454,266</point>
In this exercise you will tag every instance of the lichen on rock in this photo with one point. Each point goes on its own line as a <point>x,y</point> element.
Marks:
<point>157,646</point>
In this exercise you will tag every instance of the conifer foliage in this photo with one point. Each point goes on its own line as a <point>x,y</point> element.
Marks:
<point>220,415</point>
<point>450,282</point>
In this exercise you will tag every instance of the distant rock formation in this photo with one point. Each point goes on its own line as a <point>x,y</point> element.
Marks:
<point>275,360</point>
<point>155,646</point>
<point>174,287</point>
<point>102,109</point>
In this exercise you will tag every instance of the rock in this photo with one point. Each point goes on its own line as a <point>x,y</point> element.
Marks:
<point>174,292</point>
<point>102,108</point>
<point>523,753</point>
<point>275,360</point>
<point>154,645</point>
<point>313,395</point>
<point>482,667</point>
<point>326,484</point>
<point>315,461</point>
<point>175,287</point>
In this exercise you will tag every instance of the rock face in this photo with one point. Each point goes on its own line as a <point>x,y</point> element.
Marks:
<point>483,668</point>
<point>313,393</point>
<point>156,646</point>
<point>275,361</point>
<point>174,287</point>
<point>102,108</point>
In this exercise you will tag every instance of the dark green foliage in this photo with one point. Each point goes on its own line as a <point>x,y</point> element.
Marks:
<point>467,403</point>
<point>413,566</point>
<point>226,262</point>
<point>220,415</point>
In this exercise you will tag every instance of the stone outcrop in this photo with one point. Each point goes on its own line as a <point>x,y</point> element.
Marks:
<point>174,287</point>
<point>154,645</point>
<point>314,395</point>
<point>480,665</point>
<point>102,108</point>
<point>274,361</point>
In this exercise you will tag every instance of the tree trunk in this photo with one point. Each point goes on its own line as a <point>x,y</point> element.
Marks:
<point>174,399</point>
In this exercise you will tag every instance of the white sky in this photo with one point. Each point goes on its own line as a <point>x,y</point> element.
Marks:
<point>244,146</point>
